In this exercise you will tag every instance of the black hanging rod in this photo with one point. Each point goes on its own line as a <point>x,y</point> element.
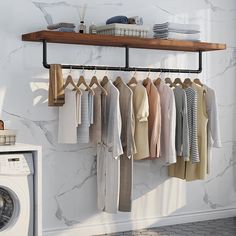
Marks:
<point>126,67</point>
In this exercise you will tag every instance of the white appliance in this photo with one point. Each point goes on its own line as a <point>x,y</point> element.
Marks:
<point>16,194</point>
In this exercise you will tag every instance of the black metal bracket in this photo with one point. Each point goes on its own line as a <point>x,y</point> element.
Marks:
<point>126,67</point>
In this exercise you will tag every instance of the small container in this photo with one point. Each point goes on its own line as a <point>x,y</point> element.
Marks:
<point>7,137</point>
<point>82,28</point>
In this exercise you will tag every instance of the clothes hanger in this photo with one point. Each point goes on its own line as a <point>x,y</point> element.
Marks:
<point>70,80</point>
<point>145,81</point>
<point>93,81</point>
<point>178,81</point>
<point>158,80</point>
<point>82,81</point>
<point>198,81</point>
<point>133,80</point>
<point>187,82</point>
<point>118,81</point>
<point>105,80</point>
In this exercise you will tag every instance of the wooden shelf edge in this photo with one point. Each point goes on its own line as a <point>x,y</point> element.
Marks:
<point>121,41</point>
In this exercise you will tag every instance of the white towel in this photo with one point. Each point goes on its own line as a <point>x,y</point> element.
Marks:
<point>178,26</point>
<point>178,36</point>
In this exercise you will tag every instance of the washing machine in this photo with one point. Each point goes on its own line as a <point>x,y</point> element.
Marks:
<point>16,194</point>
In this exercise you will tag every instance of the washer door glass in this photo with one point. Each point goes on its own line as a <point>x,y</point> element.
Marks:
<point>6,208</point>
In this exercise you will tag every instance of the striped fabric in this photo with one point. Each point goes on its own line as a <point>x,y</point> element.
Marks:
<point>192,123</point>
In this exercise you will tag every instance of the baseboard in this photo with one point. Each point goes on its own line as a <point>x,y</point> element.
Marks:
<point>88,230</point>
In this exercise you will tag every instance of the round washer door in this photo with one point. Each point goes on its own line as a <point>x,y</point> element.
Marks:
<point>9,208</point>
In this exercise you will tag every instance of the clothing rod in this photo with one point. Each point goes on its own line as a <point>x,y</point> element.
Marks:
<point>127,67</point>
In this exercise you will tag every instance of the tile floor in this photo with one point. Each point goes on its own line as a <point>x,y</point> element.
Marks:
<point>221,227</point>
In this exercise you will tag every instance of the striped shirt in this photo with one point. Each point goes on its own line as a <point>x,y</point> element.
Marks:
<point>192,123</point>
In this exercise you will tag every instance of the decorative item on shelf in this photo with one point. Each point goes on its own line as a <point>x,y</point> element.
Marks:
<point>7,136</point>
<point>82,26</point>
<point>92,29</point>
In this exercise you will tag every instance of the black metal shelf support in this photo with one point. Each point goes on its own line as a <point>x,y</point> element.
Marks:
<point>126,67</point>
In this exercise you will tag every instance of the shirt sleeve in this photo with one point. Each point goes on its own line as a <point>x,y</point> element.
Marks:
<point>143,111</point>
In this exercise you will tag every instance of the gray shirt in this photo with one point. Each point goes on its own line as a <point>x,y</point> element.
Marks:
<point>182,129</point>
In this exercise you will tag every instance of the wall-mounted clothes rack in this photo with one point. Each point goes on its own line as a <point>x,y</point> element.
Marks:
<point>125,42</point>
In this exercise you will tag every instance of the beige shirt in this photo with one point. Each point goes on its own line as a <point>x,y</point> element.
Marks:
<point>168,122</point>
<point>154,119</point>
<point>141,112</point>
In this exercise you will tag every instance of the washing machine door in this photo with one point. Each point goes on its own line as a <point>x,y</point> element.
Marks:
<point>9,208</point>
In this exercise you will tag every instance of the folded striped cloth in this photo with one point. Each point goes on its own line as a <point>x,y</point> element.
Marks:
<point>177,28</point>
<point>178,36</point>
<point>61,25</point>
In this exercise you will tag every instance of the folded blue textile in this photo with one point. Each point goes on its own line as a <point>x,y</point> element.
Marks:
<point>117,19</point>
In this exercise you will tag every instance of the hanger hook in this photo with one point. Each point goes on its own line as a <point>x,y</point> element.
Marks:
<point>134,72</point>
<point>106,70</point>
<point>149,71</point>
<point>70,69</point>
<point>95,70</point>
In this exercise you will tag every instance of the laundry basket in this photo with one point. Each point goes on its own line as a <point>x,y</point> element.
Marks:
<point>7,137</point>
<point>123,30</point>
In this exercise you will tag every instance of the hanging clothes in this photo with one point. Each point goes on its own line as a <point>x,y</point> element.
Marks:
<point>141,112</point>
<point>213,127</point>
<point>182,129</point>
<point>168,122</point>
<point>95,129</point>
<point>154,119</point>
<point>179,169</point>
<point>129,148</point>
<point>68,117</point>
<point>199,170</point>
<point>56,94</point>
<point>86,117</point>
<point>108,162</point>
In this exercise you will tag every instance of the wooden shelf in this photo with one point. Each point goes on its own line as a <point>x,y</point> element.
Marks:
<point>121,41</point>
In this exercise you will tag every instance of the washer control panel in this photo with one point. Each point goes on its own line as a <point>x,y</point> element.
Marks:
<point>16,164</point>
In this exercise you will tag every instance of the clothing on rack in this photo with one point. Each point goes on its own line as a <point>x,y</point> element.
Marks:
<point>68,118</point>
<point>141,113</point>
<point>108,162</point>
<point>95,129</point>
<point>182,127</point>
<point>213,127</point>
<point>154,119</point>
<point>168,122</point>
<point>128,145</point>
<point>86,117</point>
<point>56,94</point>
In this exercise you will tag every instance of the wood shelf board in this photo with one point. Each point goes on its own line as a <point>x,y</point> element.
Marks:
<point>121,41</point>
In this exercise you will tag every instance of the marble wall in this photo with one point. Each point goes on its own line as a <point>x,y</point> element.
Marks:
<point>69,171</point>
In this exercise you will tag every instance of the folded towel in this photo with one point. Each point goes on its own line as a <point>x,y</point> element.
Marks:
<point>178,36</point>
<point>164,30</point>
<point>177,26</point>
<point>117,19</point>
<point>63,29</point>
<point>59,25</point>
<point>56,93</point>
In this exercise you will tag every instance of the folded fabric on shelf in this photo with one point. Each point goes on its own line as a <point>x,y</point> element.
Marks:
<point>118,19</point>
<point>177,26</point>
<point>181,31</point>
<point>60,25</point>
<point>64,29</point>
<point>178,36</point>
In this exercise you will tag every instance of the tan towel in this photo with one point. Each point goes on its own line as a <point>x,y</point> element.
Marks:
<point>56,93</point>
